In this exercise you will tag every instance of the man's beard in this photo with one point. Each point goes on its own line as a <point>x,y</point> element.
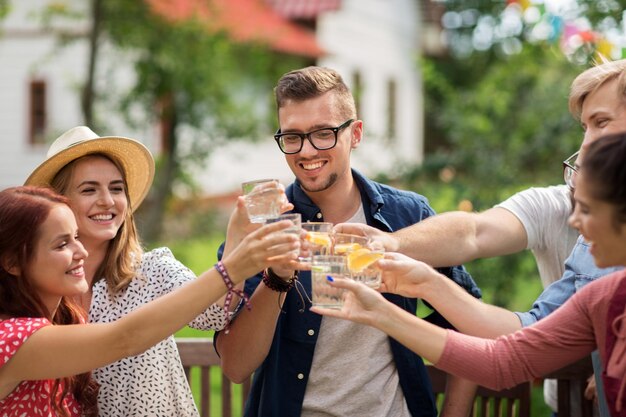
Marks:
<point>332,179</point>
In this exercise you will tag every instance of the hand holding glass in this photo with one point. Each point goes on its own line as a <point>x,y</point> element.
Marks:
<point>323,266</point>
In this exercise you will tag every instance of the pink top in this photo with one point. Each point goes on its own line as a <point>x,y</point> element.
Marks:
<point>572,332</point>
<point>29,398</point>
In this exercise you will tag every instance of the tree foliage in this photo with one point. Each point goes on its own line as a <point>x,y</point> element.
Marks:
<point>582,28</point>
<point>500,124</point>
<point>496,124</point>
<point>188,76</point>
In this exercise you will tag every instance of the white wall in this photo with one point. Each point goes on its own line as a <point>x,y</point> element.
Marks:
<point>27,51</point>
<point>379,39</point>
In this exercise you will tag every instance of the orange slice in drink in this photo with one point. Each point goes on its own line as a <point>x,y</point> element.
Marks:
<point>318,239</point>
<point>345,248</point>
<point>361,259</point>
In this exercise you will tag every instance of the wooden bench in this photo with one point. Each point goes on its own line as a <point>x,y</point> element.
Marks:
<point>202,364</point>
<point>571,383</point>
<point>199,360</point>
<point>514,402</point>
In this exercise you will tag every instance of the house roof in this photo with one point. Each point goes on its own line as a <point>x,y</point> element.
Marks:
<point>244,21</point>
<point>303,9</point>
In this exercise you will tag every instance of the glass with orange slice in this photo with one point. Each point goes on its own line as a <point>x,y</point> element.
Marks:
<point>362,267</point>
<point>361,255</point>
<point>343,243</point>
<point>318,240</point>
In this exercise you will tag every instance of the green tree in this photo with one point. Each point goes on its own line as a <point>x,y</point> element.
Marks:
<point>4,8</point>
<point>189,76</point>
<point>502,27</point>
<point>495,125</point>
<point>504,124</point>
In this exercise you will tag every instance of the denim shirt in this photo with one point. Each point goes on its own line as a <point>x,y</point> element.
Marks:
<point>279,384</point>
<point>580,270</point>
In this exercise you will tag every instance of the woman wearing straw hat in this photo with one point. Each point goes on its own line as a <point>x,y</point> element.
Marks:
<point>106,179</point>
<point>46,350</point>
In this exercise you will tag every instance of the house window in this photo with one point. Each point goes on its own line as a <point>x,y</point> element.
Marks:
<point>37,115</point>
<point>357,92</point>
<point>391,110</point>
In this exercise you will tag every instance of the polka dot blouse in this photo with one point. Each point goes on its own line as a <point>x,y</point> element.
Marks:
<point>29,398</point>
<point>152,383</point>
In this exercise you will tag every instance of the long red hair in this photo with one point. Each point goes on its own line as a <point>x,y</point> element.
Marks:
<point>22,212</point>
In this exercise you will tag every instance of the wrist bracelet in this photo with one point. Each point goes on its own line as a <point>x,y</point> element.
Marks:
<point>276,283</point>
<point>219,266</point>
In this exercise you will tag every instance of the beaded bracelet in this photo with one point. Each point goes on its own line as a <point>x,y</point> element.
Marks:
<point>276,283</point>
<point>219,266</point>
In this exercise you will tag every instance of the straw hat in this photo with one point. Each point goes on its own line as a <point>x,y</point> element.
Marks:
<point>80,141</point>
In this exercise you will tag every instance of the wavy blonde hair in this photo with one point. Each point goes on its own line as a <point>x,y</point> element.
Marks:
<point>594,78</point>
<point>120,263</point>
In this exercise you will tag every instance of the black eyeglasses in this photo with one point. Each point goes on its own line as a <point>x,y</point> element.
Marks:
<point>320,139</point>
<point>570,171</point>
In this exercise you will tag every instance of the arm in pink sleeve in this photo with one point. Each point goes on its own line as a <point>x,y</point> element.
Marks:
<point>563,337</point>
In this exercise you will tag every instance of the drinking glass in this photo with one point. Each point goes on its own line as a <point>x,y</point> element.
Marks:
<point>361,255</point>
<point>318,239</point>
<point>362,267</point>
<point>263,199</point>
<point>295,218</point>
<point>343,243</point>
<point>323,266</point>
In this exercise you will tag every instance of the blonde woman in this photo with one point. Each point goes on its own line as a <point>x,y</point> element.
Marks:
<point>105,180</point>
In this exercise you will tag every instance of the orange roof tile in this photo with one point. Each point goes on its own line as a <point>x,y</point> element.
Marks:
<point>244,21</point>
<point>303,9</point>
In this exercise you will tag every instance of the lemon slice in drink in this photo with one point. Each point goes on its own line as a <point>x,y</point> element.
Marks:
<point>344,248</point>
<point>361,259</point>
<point>318,239</point>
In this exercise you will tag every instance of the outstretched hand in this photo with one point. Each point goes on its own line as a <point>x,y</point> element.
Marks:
<point>361,304</point>
<point>405,276</point>
<point>385,239</point>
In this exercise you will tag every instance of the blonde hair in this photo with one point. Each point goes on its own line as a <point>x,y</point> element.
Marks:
<point>120,263</point>
<point>594,78</point>
<point>311,82</point>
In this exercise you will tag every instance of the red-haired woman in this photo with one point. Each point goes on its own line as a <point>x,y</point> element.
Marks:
<point>46,350</point>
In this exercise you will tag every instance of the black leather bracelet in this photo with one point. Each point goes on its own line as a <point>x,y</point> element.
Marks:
<point>276,283</point>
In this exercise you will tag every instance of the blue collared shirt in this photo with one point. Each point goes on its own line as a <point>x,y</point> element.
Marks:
<point>580,270</point>
<point>279,384</point>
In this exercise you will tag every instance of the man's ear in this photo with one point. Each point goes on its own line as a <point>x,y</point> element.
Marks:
<point>357,134</point>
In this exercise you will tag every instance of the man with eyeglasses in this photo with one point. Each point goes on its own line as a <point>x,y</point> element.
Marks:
<point>534,219</point>
<point>303,364</point>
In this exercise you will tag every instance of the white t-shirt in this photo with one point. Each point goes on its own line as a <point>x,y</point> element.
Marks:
<point>152,383</point>
<point>544,213</point>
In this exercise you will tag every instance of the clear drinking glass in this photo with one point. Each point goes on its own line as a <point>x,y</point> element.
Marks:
<point>318,240</point>
<point>295,218</point>
<point>361,255</point>
<point>263,199</point>
<point>362,266</point>
<point>323,266</point>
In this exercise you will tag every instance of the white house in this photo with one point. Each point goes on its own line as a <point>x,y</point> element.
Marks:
<point>374,44</point>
